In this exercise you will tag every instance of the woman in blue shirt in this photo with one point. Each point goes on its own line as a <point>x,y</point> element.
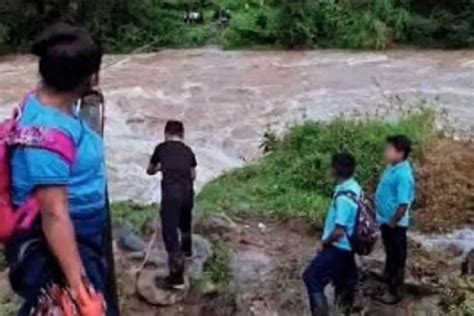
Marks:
<point>69,239</point>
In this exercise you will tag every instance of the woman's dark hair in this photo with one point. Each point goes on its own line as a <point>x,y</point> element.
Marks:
<point>175,128</point>
<point>344,165</point>
<point>68,57</point>
<point>401,143</point>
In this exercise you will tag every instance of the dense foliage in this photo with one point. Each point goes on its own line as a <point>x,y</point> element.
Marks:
<point>293,179</point>
<point>362,24</point>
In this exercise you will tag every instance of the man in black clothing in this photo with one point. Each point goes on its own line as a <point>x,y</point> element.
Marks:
<point>177,163</point>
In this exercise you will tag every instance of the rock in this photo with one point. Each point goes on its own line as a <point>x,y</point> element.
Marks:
<point>251,266</point>
<point>127,240</point>
<point>152,294</point>
<point>263,228</point>
<point>202,248</point>
<point>218,224</point>
<point>468,264</point>
<point>157,267</point>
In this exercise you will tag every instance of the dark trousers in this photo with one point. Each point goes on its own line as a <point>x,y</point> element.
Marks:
<point>176,219</point>
<point>332,265</point>
<point>395,242</point>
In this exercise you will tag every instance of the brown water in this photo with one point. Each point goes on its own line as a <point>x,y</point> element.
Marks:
<point>228,99</point>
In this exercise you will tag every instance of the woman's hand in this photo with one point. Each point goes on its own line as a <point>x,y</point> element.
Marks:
<point>59,232</point>
<point>89,301</point>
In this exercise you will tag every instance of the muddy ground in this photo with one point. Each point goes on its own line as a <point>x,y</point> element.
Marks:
<point>268,259</point>
<point>266,262</point>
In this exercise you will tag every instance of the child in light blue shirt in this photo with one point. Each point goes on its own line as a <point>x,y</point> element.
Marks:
<point>394,197</point>
<point>335,261</point>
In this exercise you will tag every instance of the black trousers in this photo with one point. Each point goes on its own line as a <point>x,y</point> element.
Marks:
<point>176,219</point>
<point>331,265</point>
<point>395,242</point>
<point>337,266</point>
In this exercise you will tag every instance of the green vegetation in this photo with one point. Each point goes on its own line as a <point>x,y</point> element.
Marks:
<point>8,308</point>
<point>217,274</point>
<point>292,180</point>
<point>123,26</point>
<point>138,216</point>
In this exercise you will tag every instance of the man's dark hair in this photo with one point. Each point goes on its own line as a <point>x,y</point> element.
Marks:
<point>344,165</point>
<point>68,57</point>
<point>175,128</point>
<point>401,143</point>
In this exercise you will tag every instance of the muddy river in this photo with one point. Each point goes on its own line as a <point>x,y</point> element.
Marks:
<point>228,99</point>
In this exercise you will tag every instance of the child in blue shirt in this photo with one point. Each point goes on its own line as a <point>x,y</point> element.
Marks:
<point>393,199</point>
<point>335,261</point>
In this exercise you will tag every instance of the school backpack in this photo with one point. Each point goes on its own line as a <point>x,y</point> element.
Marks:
<point>366,229</point>
<point>12,136</point>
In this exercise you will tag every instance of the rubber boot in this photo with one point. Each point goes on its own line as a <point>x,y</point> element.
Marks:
<point>176,278</point>
<point>345,301</point>
<point>187,246</point>
<point>319,304</point>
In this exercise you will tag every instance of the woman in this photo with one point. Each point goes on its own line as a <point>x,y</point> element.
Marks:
<point>69,239</point>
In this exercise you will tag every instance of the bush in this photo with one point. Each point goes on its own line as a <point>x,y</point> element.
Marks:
<point>293,179</point>
<point>137,215</point>
<point>4,33</point>
<point>251,27</point>
<point>363,24</point>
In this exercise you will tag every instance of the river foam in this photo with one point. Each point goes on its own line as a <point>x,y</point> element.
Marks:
<point>228,99</point>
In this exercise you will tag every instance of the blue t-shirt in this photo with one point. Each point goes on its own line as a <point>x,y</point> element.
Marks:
<point>343,212</point>
<point>397,187</point>
<point>85,179</point>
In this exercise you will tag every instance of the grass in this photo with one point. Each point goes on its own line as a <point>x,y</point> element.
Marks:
<point>217,274</point>
<point>8,308</point>
<point>292,179</point>
<point>139,216</point>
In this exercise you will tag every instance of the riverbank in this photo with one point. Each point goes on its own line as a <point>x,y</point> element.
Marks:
<point>291,180</point>
<point>268,233</point>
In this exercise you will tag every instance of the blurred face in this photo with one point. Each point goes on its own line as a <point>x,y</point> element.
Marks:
<point>172,137</point>
<point>392,155</point>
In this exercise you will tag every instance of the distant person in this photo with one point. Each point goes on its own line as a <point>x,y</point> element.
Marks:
<point>394,197</point>
<point>68,241</point>
<point>177,163</point>
<point>335,261</point>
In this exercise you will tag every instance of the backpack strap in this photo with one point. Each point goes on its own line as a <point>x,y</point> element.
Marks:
<point>49,139</point>
<point>354,198</point>
<point>350,194</point>
<point>18,111</point>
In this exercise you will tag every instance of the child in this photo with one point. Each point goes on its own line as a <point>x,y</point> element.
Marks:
<point>393,199</point>
<point>336,261</point>
<point>178,164</point>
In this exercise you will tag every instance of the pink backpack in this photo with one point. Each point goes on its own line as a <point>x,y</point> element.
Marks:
<point>12,135</point>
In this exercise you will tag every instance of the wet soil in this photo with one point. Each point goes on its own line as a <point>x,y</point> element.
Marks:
<point>267,279</point>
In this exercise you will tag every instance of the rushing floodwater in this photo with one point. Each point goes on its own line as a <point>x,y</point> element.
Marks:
<point>227,99</point>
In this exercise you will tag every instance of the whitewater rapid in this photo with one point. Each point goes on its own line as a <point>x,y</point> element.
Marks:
<point>228,99</point>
